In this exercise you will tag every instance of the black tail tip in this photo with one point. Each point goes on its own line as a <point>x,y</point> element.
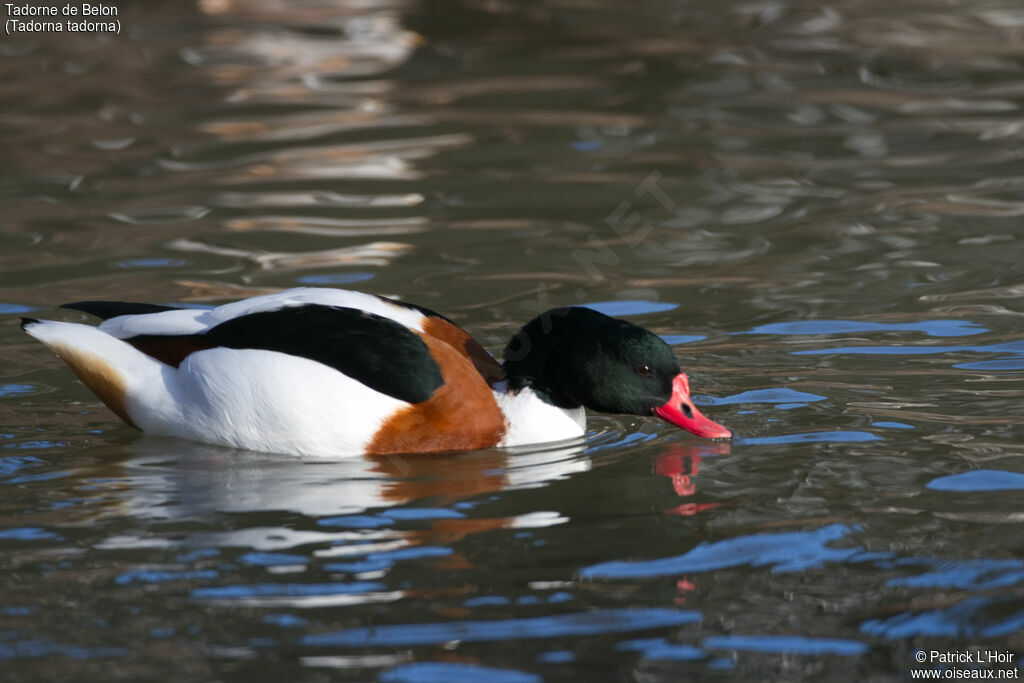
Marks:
<point>25,322</point>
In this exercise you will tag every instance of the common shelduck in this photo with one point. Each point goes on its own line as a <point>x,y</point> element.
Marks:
<point>331,372</point>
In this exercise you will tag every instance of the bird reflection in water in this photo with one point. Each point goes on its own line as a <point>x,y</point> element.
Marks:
<point>679,462</point>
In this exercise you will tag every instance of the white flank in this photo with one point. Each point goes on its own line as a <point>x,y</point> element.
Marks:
<point>270,401</point>
<point>259,400</point>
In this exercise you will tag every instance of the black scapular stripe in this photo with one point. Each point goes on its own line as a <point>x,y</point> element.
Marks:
<point>111,309</point>
<point>376,351</point>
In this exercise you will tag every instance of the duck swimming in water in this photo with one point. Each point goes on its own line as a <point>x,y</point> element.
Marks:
<point>330,372</point>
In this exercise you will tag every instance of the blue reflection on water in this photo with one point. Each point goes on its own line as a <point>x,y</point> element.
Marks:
<point>17,389</point>
<point>28,533</point>
<point>575,624</point>
<point>152,263</point>
<point>45,476</point>
<point>423,513</point>
<point>260,590</point>
<point>787,644</point>
<point>272,559</point>
<point>979,480</point>
<point>682,338</point>
<point>721,664</point>
<point>157,576</point>
<point>838,436</point>
<point>13,463</point>
<point>885,350</point>
<point>359,566</point>
<point>933,328</point>
<point>978,574</point>
<point>1009,363</point>
<point>284,620</point>
<point>6,308</point>
<point>44,648</point>
<point>773,395</point>
<point>413,553</point>
<point>33,445</point>
<point>335,278</point>
<point>785,552</point>
<point>1015,361</point>
<point>660,648</point>
<point>892,425</point>
<point>18,610</point>
<point>799,551</point>
<point>356,522</point>
<point>198,554</point>
<point>375,562</point>
<point>632,438</point>
<point>620,308</point>
<point>973,617</point>
<point>445,672</point>
<point>501,600</point>
<point>487,601</point>
<point>557,657</point>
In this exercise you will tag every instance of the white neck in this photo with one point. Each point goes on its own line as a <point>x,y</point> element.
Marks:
<point>530,420</point>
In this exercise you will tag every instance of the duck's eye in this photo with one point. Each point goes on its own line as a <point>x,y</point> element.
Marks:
<point>644,370</point>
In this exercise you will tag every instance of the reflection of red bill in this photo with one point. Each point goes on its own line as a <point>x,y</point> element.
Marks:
<point>689,509</point>
<point>681,412</point>
<point>679,464</point>
<point>672,466</point>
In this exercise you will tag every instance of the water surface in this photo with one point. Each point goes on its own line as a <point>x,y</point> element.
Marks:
<point>818,207</point>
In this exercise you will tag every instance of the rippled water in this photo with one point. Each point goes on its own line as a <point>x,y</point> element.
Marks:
<point>818,206</point>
